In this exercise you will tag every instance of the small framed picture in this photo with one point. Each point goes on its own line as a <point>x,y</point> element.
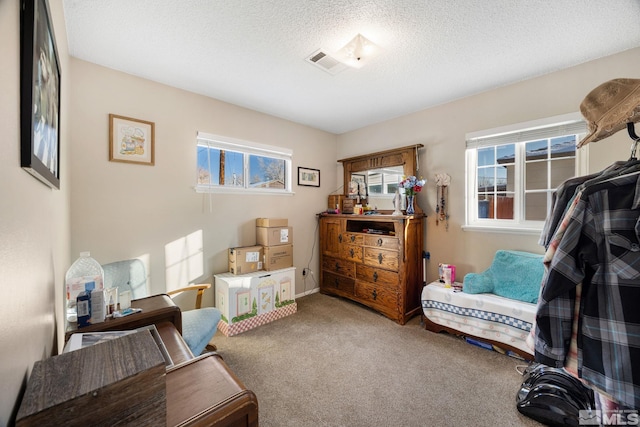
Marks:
<point>309,177</point>
<point>131,140</point>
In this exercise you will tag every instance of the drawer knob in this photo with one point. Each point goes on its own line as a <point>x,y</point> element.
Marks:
<point>380,258</point>
<point>337,283</point>
<point>374,294</point>
<point>375,276</point>
<point>351,252</point>
<point>340,238</point>
<point>353,238</point>
<point>379,241</point>
<point>338,267</point>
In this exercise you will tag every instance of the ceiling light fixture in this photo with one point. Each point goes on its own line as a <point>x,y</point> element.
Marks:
<point>357,52</point>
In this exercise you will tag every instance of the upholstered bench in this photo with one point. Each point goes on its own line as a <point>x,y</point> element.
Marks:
<point>496,307</point>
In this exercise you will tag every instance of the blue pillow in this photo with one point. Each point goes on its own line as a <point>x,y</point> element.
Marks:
<point>513,274</point>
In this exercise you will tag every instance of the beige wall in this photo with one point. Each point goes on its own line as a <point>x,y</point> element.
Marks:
<point>122,210</point>
<point>442,130</point>
<point>34,225</point>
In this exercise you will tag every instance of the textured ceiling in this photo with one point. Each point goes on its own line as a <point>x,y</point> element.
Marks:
<point>252,52</point>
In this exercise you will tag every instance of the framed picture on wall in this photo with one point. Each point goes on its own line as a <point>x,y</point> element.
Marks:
<point>39,94</point>
<point>308,177</point>
<point>131,140</point>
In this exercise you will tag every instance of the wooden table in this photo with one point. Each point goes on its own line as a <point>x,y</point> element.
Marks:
<point>155,309</point>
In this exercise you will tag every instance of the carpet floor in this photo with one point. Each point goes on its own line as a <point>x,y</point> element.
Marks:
<point>337,363</point>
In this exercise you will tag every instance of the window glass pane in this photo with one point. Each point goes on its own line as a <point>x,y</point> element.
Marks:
<point>233,168</point>
<point>486,156</point>
<point>537,150</point>
<point>535,206</point>
<point>561,170</point>
<point>506,154</point>
<point>485,206</point>
<point>208,173</point>
<point>266,172</point>
<point>564,146</point>
<point>504,178</point>
<point>536,176</point>
<point>486,179</point>
<point>504,206</point>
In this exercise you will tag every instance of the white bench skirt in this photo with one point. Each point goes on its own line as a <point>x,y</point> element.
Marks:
<point>484,316</point>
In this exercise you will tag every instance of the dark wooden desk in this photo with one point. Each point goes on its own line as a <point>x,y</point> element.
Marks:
<point>155,309</point>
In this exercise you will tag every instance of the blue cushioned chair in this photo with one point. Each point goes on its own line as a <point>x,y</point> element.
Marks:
<point>198,325</point>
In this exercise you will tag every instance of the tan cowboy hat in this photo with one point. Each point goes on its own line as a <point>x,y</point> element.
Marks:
<point>609,107</point>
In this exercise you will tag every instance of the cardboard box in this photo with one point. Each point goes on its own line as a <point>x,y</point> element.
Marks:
<point>274,236</point>
<point>245,259</point>
<point>278,257</point>
<point>251,300</point>
<point>272,222</point>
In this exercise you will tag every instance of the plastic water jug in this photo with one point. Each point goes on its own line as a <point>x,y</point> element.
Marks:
<point>83,271</point>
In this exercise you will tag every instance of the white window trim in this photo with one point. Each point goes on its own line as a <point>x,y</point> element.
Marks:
<point>515,133</point>
<point>247,147</point>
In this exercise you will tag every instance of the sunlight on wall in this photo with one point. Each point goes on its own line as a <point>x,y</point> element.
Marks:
<point>184,260</point>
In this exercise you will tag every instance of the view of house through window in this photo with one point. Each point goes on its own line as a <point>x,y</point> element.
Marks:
<point>512,175</point>
<point>383,181</point>
<point>224,163</point>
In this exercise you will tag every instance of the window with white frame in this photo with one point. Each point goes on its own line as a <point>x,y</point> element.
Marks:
<point>513,171</point>
<point>231,165</point>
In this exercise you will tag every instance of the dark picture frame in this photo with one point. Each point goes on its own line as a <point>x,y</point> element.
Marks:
<point>39,94</point>
<point>308,177</point>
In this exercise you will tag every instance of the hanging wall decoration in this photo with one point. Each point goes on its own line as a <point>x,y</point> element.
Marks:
<point>442,194</point>
<point>39,95</point>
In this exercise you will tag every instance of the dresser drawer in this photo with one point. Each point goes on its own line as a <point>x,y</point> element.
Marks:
<point>338,284</point>
<point>378,276</point>
<point>378,297</point>
<point>384,242</point>
<point>339,266</point>
<point>382,258</point>
<point>351,252</point>
<point>352,239</point>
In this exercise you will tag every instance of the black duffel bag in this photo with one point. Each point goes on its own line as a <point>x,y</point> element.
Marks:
<point>554,397</point>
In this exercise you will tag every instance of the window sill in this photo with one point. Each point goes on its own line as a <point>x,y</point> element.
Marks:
<point>243,191</point>
<point>498,229</point>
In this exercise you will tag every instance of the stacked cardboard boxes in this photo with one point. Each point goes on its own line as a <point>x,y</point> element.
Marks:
<point>276,238</point>
<point>248,297</point>
<point>273,249</point>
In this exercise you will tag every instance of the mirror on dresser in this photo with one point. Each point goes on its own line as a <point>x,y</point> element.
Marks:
<point>373,178</point>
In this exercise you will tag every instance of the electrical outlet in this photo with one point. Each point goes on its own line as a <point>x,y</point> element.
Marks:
<point>304,272</point>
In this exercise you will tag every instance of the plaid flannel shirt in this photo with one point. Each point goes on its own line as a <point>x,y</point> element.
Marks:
<point>600,249</point>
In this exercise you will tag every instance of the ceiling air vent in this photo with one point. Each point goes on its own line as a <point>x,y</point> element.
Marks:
<point>326,62</point>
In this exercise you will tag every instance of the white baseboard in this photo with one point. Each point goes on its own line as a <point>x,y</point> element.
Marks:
<point>309,292</point>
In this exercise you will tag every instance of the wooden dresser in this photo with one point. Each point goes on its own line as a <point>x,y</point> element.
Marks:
<point>375,260</point>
